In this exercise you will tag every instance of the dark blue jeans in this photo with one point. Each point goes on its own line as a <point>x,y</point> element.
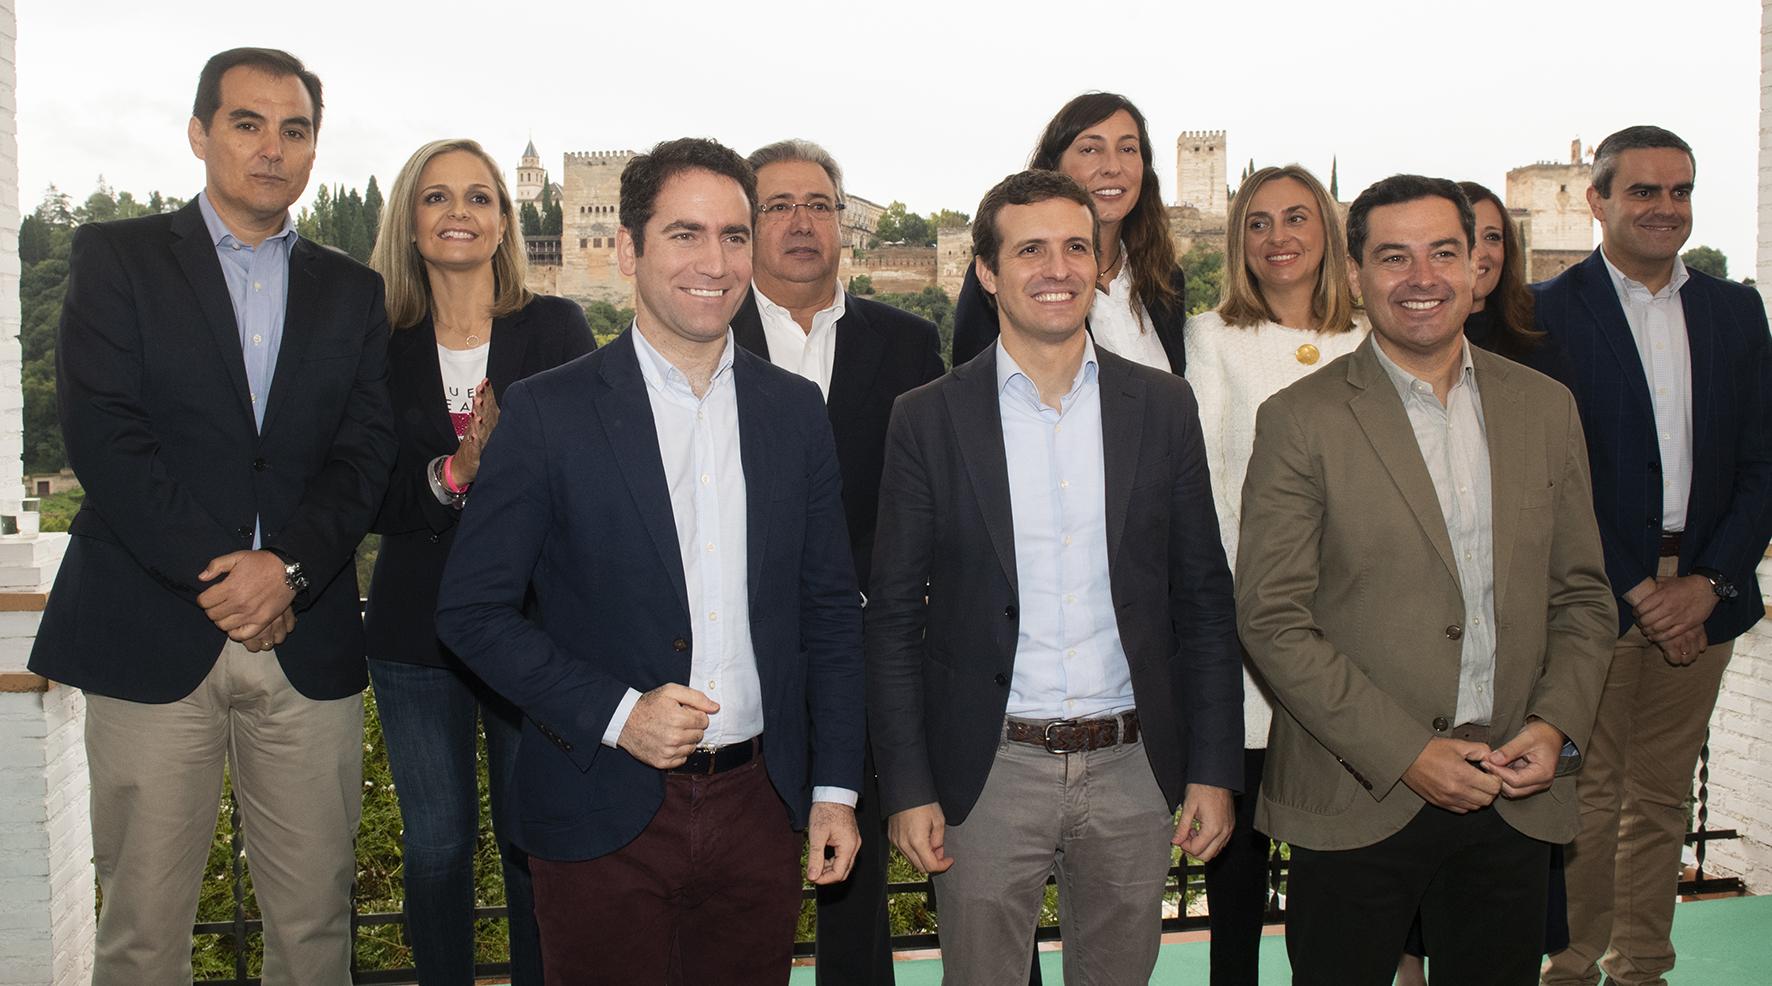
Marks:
<point>427,719</point>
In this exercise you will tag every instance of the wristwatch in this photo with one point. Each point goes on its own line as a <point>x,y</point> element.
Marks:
<point>1719,583</point>
<point>293,577</point>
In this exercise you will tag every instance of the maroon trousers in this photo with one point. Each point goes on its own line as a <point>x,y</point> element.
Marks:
<point>709,892</point>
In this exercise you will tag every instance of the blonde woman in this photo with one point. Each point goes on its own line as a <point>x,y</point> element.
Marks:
<point>465,327</point>
<point>1287,310</point>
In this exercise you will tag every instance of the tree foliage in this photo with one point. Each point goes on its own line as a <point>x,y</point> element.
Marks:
<point>1710,260</point>
<point>1204,267</point>
<point>933,304</point>
<point>898,224</point>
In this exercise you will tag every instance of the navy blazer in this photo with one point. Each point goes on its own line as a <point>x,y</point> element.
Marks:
<point>976,326</point>
<point>158,422</point>
<point>573,502</point>
<point>1729,512</point>
<point>944,615</point>
<point>400,621</point>
<point>881,353</point>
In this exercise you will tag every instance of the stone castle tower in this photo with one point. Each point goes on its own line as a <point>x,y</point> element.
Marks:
<point>590,200</point>
<point>1200,175</point>
<point>1549,201</point>
<point>531,177</point>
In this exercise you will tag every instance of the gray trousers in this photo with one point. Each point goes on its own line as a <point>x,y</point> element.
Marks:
<point>297,769</point>
<point>1098,822</point>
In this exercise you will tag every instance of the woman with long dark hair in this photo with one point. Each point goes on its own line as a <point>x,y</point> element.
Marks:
<point>1100,139</point>
<point>1501,310</point>
<point>465,328</point>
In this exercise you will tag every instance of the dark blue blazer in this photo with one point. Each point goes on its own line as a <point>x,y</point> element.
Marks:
<point>158,423</point>
<point>573,502</point>
<point>1729,516</point>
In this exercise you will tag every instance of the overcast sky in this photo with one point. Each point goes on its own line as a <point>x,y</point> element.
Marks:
<point>928,102</point>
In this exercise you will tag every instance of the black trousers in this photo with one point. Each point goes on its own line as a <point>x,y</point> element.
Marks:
<point>1478,883</point>
<point>854,939</point>
<point>1237,890</point>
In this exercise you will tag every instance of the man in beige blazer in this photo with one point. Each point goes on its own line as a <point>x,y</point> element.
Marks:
<point>1420,580</point>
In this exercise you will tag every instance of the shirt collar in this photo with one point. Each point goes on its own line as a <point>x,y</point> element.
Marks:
<point>220,235</point>
<point>1627,287</point>
<point>660,373</point>
<point>766,304</point>
<point>1408,383</point>
<point>1008,372</point>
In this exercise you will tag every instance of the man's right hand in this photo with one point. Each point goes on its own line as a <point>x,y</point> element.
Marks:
<point>666,725</point>
<point>919,833</point>
<point>1446,773</point>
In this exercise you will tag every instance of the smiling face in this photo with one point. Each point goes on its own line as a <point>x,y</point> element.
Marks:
<point>1105,159</point>
<point>799,246</point>
<point>1491,250</point>
<point>697,260</point>
<point>258,148</point>
<point>457,222</point>
<point>1283,235</point>
<point>1045,276</point>
<point>1648,216</point>
<point>1416,276</point>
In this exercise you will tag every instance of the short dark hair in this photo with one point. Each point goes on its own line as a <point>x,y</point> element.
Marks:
<point>1026,188</point>
<point>1633,139</point>
<point>648,172</point>
<point>1398,189</point>
<point>280,64</point>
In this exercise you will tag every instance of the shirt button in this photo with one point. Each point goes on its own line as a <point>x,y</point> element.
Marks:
<point>710,546</point>
<point>258,285</point>
<point>1067,539</point>
<point>257,340</point>
<point>1071,653</point>
<point>706,479</point>
<point>713,615</point>
<point>1064,484</point>
<point>1069,598</point>
<point>713,683</point>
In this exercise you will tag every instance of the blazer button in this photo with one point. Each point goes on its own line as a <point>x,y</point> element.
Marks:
<point>260,465</point>
<point>1654,466</point>
<point>679,645</point>
<point>1001,679</point>
<point>243,532</point>
<point>1454,632</point>
<point>1010,611</point>
<point>1441,724</point>
<point>1365,783</point>
<point>434,538</point>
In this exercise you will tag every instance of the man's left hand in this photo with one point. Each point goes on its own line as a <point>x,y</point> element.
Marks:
<point>1207,818</point>
<point>244,604</point>
<point>1527,764</point>
<point>1677,606</point>
<point>832,826</point>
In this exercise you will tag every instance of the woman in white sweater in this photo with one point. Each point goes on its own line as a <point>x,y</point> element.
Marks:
<point>1286,310</point>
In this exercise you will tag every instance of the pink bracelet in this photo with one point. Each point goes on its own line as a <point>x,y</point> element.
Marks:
<point>449,477</point>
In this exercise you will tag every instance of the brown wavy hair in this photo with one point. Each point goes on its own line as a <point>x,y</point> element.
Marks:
<point>1511,301</point>
<point>1242,304</point>
<point>1150,253</point>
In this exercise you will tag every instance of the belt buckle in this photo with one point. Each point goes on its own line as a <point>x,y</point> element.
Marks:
<point>710,750</point>
<point>1046,734</point>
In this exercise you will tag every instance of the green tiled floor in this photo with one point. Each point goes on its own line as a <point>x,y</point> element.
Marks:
<point>1720,943</point>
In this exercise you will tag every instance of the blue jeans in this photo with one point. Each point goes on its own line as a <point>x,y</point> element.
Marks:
<point>427,719</point>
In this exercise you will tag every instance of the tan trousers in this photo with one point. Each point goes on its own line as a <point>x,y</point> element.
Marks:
<point>297,770</point>
<point>1098,822</point>
<point>1623,867</point>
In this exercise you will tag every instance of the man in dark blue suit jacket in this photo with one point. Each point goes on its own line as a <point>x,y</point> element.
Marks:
<point>1671,372</point>
<point>223,393</point>
<point>692,681</point>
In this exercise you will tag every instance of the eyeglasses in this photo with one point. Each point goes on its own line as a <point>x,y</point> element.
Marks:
<point>819,210</point>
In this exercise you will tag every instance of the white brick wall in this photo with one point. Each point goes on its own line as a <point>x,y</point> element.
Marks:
<point>46,890</point>
<point>12,398</point>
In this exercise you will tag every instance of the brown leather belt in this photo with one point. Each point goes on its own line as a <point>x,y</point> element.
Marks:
<point>1670,544</point>
<point>1472,732</point>
<point>714,760</point>
<point>1074,735</point>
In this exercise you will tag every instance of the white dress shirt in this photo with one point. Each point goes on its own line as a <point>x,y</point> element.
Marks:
<point>698,442</point>
<point>1658,323</point>
<point>1069,661</point>
<point>809,354</point>
<point>1123,328</point>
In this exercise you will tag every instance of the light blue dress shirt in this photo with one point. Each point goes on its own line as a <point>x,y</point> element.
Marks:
<point>1069,662</point>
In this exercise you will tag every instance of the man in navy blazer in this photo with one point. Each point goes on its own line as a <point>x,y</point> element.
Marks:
<point>862,354</point>
<point>223,394</point>
<point>1671,373</point>
<point>692,678</point>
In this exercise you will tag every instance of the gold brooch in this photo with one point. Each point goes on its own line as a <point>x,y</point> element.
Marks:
<point>1308,354</point>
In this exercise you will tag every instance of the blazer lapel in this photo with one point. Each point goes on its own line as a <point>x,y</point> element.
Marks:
<point>626,416</point>
<point>1504,422</point>
<point>298,326</point>
<point>747,326</point>
<point>1380,413</point>
<point>1600,296</point>
<point>196,257</point>
<point>756,395</point>
<point>972,406</point>
<point>509,351</point>
<point>856,363</point>
<point>1122,427</point>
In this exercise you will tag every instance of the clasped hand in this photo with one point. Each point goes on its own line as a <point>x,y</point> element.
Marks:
<point>252,604</point>
<point>1462,776</point>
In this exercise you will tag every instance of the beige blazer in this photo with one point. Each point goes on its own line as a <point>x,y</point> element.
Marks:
<point>1348,598</point>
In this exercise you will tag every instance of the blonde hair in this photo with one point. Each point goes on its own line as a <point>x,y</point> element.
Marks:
<point>396,257</point>
<point>1241,304</point>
